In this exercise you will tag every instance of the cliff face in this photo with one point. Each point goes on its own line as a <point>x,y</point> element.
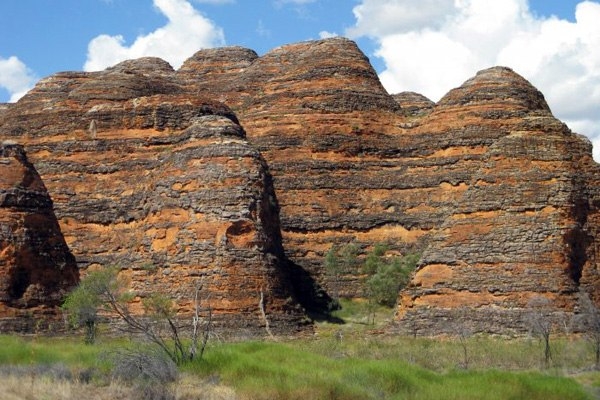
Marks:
<point>331,136</point>
<point>520,229</point>
<point>36,266</point>
<point>164,185</point>
<point>149,169</point>
<point>497,193</point>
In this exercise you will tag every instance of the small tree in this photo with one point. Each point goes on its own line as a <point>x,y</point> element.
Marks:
<point>333,269</point>
<point>463,332</point>
<point>386,277</point>
<point>348,255</point>
<point>390,276</point>
<point>539,319</point>
<point>591,325</point>
<point>84,302</point>
<point>374,259</point>
<point>104,290</point>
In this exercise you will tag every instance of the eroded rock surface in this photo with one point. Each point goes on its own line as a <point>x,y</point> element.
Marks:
<point>352,164</point>
<point>164,185</point>
<point>148,167</point>
<point>414,104</point>
<point>520,230</point>
<point>36,266</point>
<point>328,130</point>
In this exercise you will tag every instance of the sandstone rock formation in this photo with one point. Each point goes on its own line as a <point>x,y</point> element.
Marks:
<point>149,169</point>
<point>329,131</point>
<point>164,185</point>
<point>36,266</point>
<point>414,104</point>
<point>521,228</point>
<point>349,165</point>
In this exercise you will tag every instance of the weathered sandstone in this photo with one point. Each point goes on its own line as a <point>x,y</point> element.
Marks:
<point>501,197</point>
<point>164,185</point>
<point>36,266</point>
<point>349,165</point>
<point>329,131</point>
<point>520,229</point>
<point>414,104</point>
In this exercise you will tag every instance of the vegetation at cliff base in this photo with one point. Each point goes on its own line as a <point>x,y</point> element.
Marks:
<point>105,290</point>
<point>383,274</point>
<point>357,366</point>
<point>290,371</point>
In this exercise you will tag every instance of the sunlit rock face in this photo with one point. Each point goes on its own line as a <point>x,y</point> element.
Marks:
<point>164,185</point>
<point>150,168</point>
<point>497,193</point>
<point>524,226</point>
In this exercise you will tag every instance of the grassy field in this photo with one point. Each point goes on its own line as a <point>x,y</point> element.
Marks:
<point>343,361</point>
<point>291,371</point>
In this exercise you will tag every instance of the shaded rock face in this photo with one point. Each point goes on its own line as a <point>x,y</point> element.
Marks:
<point>164,185</point>
<point>36,266</point>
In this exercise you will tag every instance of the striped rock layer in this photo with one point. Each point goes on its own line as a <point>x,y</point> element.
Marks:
<point>163,185</point>
<point>499,196</point>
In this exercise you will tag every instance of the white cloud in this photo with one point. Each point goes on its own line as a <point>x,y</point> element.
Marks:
<point>327,35</point>
<point>215,1</point>
<point>378,18</point>
<point>435,45</point>
<point>15,77</point>
<point>186,32</point>
<point>262,30</point>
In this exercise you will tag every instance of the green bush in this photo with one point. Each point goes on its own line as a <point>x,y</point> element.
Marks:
<point>385,276</point>
<point>84,302</point>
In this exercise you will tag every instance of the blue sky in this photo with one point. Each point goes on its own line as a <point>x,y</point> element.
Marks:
<point>427,46</point>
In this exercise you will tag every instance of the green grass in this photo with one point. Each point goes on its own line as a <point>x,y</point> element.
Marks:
<point>366,368</point>
<point>70,351</point>
<point>353,360</point>
<point>356,311</point>
<point>263,370</point>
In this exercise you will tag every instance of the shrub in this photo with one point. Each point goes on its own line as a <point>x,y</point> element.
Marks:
<point>104,290</point>
<point>84,302</point>
<point>150,371</point>
<point>385,277</point>
<point>141,365</point>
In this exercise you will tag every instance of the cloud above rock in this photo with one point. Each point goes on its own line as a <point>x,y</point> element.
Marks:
<point>15,77</point>
<point>435,45</point>
<point>185,32</point>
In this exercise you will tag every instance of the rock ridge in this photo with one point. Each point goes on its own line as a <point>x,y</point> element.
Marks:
<point>499,196</point>
<point>164,185</point>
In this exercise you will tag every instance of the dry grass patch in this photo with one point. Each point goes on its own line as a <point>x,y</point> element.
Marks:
<point>47,388</point>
